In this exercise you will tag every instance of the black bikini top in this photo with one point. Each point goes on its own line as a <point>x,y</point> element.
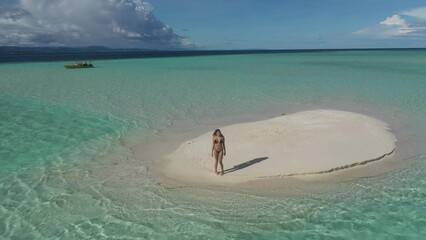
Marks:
<point>221,141</point>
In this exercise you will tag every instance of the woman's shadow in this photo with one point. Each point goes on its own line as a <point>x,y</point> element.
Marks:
<point>245,164</point>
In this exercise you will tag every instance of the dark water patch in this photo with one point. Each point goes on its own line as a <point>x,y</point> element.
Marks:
<point>47,54</point>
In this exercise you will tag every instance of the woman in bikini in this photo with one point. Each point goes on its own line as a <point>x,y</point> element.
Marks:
<point>218,150</point>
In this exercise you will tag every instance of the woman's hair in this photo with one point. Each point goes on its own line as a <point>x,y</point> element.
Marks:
<point>215,131</point>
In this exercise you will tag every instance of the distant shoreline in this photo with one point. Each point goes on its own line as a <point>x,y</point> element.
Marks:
<point>47,54</point>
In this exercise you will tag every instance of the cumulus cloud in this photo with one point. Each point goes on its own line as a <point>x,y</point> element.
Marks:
<point>113,23</point>
<point>394,20</point>
<point>398,26</point>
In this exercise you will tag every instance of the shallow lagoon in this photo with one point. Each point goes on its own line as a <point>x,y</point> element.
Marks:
<point>68,172</point>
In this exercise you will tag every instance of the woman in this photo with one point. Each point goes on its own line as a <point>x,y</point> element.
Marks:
<point>218,150</point>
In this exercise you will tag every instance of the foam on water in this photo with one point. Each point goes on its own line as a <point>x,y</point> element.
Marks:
<point>67,171</point>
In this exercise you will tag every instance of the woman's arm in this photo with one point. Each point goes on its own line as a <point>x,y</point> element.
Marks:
<point>212,146</point>
<point>224,148</point>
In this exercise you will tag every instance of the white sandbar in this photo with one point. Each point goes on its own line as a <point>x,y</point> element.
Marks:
<point>309,142</point>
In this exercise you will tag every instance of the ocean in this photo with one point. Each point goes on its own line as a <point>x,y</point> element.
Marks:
<point>68,169</point>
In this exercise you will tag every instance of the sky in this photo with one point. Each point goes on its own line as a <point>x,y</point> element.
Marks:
<point>214,24</point>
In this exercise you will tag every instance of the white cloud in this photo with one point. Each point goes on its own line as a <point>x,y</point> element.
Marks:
<point>394,20</point>
<point>417,13</point>
<point>397,26</point>
<point>114,23</point>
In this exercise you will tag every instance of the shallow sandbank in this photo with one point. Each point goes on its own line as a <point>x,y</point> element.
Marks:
<point>299,144</point>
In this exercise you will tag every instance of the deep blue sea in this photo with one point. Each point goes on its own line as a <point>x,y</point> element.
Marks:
<point>67,170</point>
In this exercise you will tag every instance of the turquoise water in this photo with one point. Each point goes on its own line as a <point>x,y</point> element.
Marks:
<point>64,136</point>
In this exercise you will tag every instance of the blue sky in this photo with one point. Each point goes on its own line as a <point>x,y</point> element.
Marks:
<point>214,24</point>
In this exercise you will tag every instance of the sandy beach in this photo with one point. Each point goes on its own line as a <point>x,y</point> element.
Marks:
<point>298,144</point>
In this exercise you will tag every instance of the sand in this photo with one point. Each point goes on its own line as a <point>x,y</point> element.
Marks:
<point>298,144</point>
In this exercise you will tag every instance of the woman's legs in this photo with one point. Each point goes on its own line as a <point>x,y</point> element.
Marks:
<point>218,156</point>
<point>216,160</point>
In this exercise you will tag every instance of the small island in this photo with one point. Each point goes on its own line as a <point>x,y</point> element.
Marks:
<point>298,144</point>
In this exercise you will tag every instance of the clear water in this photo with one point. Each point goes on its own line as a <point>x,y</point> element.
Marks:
<point>63,135</point>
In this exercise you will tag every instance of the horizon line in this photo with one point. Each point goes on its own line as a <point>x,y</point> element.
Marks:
<point>16,54</point>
